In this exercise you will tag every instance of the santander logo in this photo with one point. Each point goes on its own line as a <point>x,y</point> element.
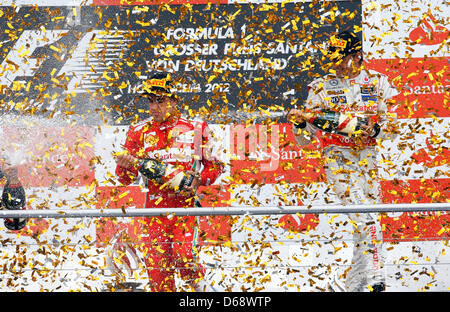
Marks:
<point>429,31</point>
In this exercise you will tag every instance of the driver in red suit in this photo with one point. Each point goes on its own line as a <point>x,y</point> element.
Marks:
<point>169,137</point>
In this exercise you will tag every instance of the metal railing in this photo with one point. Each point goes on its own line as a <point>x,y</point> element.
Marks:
<point>214,211</point>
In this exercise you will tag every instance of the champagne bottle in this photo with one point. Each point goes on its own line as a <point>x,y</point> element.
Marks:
<point>13,198</point>
<point>162,172</point>
<point>335,122</point>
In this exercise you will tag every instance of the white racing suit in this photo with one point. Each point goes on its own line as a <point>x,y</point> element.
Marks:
<point>350,165</point>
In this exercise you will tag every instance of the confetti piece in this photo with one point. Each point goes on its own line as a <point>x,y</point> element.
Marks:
<point>55,48</point>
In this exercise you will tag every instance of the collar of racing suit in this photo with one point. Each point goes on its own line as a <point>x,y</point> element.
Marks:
<point>170,122</point>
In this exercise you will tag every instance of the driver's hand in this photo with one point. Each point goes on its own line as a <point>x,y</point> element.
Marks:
<point>126,161</point>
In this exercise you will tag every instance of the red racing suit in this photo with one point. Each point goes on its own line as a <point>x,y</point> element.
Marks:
<point>350,165</point>
<point>170,241</point>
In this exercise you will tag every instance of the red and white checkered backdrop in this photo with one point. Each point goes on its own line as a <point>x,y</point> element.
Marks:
<point>67,77</point>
